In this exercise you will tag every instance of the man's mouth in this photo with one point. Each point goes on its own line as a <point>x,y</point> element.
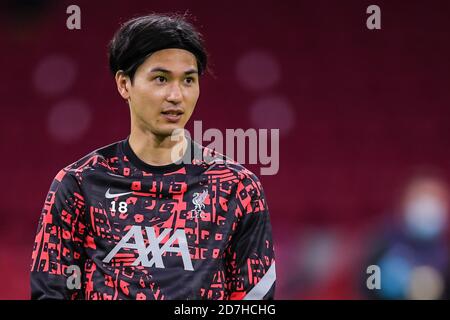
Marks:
<point>173,112</point>
<point>172,115</point>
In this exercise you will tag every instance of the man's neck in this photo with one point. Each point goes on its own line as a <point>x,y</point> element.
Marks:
<point>156,150</point>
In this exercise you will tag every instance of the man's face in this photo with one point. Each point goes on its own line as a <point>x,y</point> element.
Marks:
<point>164,92</point>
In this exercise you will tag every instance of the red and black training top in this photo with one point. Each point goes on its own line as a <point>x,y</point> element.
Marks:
<point>114,227</point>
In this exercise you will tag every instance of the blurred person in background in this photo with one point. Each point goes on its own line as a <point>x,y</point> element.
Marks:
<point>412,253</point>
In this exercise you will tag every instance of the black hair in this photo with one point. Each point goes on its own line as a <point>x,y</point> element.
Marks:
<point>139,37</point>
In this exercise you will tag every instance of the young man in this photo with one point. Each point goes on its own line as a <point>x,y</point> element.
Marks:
<point>137,219</point>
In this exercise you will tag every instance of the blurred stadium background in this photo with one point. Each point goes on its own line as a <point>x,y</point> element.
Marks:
<point>360,113</point>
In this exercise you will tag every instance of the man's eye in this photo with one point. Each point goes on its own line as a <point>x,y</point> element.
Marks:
<point>160,79</point>
<point>189,80</point>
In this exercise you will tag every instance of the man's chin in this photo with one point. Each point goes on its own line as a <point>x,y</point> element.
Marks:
<point>170,130</point>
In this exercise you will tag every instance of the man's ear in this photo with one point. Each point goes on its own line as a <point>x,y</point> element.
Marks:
<point>123,84</point>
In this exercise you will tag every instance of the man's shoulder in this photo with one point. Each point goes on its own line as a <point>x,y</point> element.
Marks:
<point>222,165</point>
<point>98,158</point>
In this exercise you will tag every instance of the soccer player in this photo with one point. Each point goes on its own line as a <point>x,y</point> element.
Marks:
<point>138,219</point>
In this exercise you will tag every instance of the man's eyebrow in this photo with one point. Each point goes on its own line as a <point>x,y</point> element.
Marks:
<point>158,69</point>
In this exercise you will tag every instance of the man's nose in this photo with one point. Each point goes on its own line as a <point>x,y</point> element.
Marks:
<point>175,95</point>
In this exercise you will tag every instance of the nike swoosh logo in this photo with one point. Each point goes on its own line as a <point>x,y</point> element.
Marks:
<point>109,195</point>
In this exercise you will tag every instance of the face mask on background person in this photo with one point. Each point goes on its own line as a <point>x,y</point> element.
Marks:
<point>425,216</point>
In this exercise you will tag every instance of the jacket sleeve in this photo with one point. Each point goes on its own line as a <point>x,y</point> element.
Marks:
<point>250,267</point>
<point>57,258</point>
